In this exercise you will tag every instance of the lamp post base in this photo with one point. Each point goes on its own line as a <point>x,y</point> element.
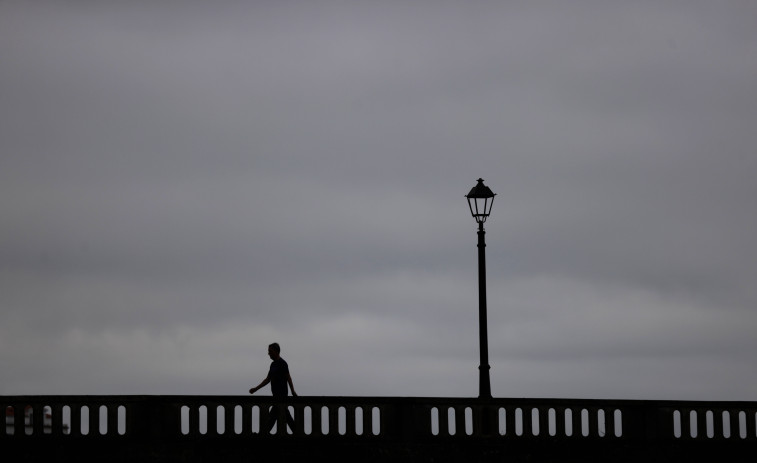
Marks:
<point>484,384</point>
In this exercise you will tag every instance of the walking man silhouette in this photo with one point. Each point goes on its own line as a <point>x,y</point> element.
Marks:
<point>279,377</point>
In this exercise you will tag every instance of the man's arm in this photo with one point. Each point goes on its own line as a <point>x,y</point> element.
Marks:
<point>265,381</point>
<point>291,385</point>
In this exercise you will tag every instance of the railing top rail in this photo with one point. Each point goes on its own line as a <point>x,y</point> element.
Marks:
<point>432,401</point>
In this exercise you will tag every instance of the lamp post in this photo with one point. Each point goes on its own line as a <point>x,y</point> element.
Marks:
<point>480,201</point>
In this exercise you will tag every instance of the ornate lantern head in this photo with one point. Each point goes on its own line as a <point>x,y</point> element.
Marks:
<point>480,201</point>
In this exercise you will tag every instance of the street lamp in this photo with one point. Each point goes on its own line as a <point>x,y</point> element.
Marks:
<point>480,201</point>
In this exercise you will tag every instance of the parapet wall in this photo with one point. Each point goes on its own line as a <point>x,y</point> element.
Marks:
<point>236,428</point>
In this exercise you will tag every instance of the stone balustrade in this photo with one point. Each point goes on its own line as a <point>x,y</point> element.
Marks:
<point>240,424</point>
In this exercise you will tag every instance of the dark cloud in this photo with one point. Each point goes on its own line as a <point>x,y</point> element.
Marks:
<point>181,184</point>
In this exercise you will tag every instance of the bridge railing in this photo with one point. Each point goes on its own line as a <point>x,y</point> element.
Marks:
<point>28,418</point>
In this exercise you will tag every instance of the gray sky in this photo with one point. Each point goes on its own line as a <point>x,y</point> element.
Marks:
<point>182,183</point>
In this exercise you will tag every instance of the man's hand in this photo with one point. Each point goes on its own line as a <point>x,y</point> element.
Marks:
<point>253,390</point>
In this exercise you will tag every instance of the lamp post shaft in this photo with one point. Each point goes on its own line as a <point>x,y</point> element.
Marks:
<point>484,384</point>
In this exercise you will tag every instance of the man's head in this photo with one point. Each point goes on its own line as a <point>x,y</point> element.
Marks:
<point>274,350</point>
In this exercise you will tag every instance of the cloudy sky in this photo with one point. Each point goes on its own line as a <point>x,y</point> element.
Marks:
<point>182,183</point>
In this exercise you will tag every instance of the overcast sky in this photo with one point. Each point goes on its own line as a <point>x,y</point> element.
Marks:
<point>183,183</point>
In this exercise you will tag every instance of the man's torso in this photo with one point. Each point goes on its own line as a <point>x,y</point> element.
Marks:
<point>279,372</point>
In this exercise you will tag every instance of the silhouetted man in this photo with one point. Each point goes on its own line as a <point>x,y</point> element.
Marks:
<point>279,377</point>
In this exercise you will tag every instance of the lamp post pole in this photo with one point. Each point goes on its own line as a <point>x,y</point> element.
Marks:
<point>480,201</point>
<point>484,383</point>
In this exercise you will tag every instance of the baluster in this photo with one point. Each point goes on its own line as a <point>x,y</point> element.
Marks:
<point>443,414</point>
<point>580,422</point>
<point>38,417</point>
<point>575,422</point>
<point>484,421</point>
<point>367,421</point>
<point>332,413</point>
<point>428,415</point>
<point>299,420</point>
<point>751,422</point>
<point>349,416</point>
<point>211,416</point>
<point>510,422</point>
<point>19,419</point>
<point>460,420</point>
<point>229,415</point>
<point>542,417</point>
<point>525,415</point>
<point>24,419</point>
<point>276,418</point>
<point>194,420</point>
<point>75,429</point>
<point>317,417</point>
<point>246,419</point>
<point>717,424</point>
<point>492,417</point>
<point>47,410</point>
<point>281,421</point>
<point>537,423</point>
<point>264,416</point>
<point>559,421</point>
<point>132,415</point>
<point>618,420</point>
<point>686,424</point>
<point>609,422</point>
<point>56,419</point>
<point>94,420</point>
<point>113,419</point>
<point>334,420</point>
<point>6,424</point>
<point>733,419</point>
<point>528,421</point>
<point>733,426</point>
<point>702,424</point>
<point>593,416</point>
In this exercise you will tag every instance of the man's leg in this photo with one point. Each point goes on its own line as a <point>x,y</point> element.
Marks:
<point>273,414</point>
<point>290,420</point>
